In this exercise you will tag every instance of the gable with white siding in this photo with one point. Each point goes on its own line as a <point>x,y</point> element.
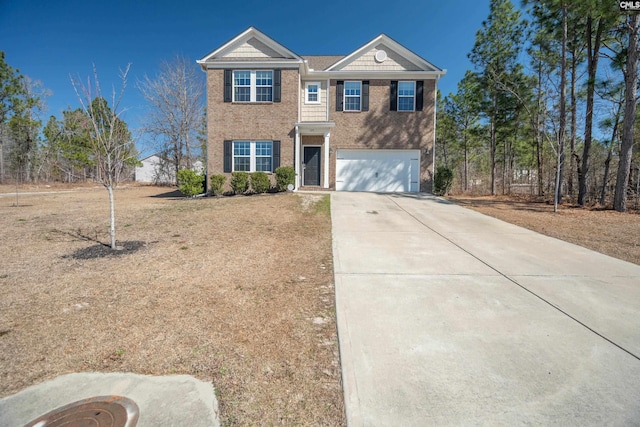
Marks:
<point>383,54</point>
<point>388,61</point>
<point>252,48</point>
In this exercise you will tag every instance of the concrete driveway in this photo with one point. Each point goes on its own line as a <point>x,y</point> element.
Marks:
<point>446,316</point>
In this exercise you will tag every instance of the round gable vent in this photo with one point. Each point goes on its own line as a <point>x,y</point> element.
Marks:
<point>381,55</point>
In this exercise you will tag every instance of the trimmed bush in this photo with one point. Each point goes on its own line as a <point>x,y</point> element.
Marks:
<point>260,182</point>
<point>442,181</point>
<point>239,182</point>
<point>190,182</point>
<point>285,175</point>
<point>217,184</point>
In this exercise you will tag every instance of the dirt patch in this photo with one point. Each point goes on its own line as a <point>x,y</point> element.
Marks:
<point>605,231</point>
<point>238,291</point>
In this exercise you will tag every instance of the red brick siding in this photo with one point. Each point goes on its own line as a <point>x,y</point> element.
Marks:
<point>250,121</point>
<point>380,128</point>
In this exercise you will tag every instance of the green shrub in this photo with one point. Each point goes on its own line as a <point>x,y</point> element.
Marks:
<point>217,184</point>
<point>442,181</point>
<point>239,182</point>
<point>260,182</point>
<point>285,175</point>
<point>190,182</point>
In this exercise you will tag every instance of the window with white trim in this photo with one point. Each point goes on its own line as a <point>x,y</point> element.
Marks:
<point>312,93</point>
<point>264,156</point>
<point>252,86</point>
<point>241,156</point>
<point>406,96</point>
<point>352,94</point>
<point>253,156</point>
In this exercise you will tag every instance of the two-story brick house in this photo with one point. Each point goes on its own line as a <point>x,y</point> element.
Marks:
<point>360,122</point>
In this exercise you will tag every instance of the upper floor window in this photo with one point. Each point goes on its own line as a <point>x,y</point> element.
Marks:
<point>312,93</point>
<point>264,86</point>
<point>242,86</point>
<point>252,86</point>
<point>406,96</point>
<point>352,93</point>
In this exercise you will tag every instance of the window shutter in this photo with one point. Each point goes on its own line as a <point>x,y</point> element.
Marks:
<point>365,96</point>
<point>339,95</point>
<point>277,85</point>
<point>393,96</point>
<point>276,155</point>
<point>419,95</point>
<point>228,147</point>
<point>228,85</point>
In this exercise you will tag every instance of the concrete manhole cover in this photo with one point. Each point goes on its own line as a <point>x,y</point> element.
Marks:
<point>101,411</point>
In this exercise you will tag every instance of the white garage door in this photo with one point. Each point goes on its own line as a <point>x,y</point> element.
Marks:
<point>378,170</point>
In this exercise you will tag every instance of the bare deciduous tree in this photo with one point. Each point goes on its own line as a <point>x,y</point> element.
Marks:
<point>175,99</point>
<point>111,144</point>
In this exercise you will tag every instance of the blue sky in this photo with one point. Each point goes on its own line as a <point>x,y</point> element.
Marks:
<point>49,40</point>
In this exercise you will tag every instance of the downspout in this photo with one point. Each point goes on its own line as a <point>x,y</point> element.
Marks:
<point>433,150</point>
<point>304,64</point>
<point>297,158</point>
<point>296,144</point>
<point>206,114</point>
<point>328,98</point>
<point>328,155</point>
<point>327,136</point>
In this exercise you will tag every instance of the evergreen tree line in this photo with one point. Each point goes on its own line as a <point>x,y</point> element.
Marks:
<point>61,150</point>
<point>543,84</point>
<point>64,149</point>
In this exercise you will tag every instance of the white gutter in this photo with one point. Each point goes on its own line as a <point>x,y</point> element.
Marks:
<point>218,65</point>
<point>376,75</point>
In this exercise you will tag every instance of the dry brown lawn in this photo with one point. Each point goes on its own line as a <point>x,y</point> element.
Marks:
<point>237,291</point>
<point>605,231</point>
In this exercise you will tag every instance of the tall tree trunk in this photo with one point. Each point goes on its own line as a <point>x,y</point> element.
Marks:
<point>505,147</point>
<point>574,108</point>
<point>466,164</point>
<point>493,144</point>
<point>607,162</point>
<point>538,132</point>
<point>605,178</point>
<point>593,53</point>
<point>626,148</point>
<point>563,111</point>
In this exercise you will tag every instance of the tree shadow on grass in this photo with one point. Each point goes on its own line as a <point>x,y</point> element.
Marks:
<point>101,250</point>
<point>174,194</point>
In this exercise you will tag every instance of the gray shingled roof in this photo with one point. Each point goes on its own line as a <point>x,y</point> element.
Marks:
<point>322,62</point>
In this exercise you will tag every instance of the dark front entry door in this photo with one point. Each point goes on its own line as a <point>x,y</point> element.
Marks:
<point>312,166</point>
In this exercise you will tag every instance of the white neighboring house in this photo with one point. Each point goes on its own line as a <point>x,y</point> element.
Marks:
<point>152,171</point>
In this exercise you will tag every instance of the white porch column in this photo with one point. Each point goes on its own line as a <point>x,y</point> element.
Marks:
<point>326,159</point>
<point>297,159</point>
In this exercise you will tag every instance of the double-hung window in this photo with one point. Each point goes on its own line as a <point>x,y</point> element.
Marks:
<point>253,156</point>
<point>406,96</point>
<point>264,156</point>
<point>352,94</point>
<point>252,86</point>
<point>264,86</point>
<point>242,86</point>
<point>242,156</point>
<point>312,93</point>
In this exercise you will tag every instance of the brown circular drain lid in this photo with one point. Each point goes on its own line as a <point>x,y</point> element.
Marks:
<point>101,411</point>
